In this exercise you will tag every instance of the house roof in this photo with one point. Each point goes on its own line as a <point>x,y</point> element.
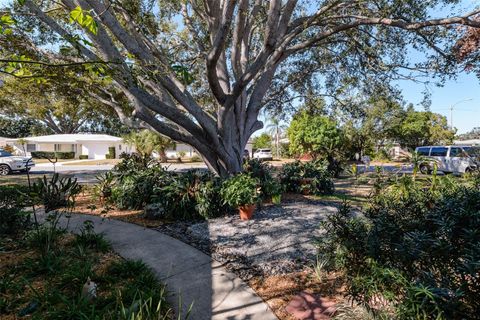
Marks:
<point>73,138</point>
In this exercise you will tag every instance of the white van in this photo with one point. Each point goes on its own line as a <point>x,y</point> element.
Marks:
<point>450,159</point>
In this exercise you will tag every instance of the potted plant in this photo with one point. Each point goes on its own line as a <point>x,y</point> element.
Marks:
<point>241,192</point>
<point>274,189</point>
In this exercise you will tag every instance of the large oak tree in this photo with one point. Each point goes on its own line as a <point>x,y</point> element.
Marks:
<point>200,71</point>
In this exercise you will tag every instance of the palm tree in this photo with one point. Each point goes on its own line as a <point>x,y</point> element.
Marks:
<point>276,129</point>
<point>146,142</point>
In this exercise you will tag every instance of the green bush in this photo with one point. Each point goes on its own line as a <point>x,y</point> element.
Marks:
<point>240,190</point>
<point>109,156</point>
<point>83,157</point>
<point>135,189</point>
<point>417,246</point>
<point>307,177</point>
<point>42,155</point>
<point>52,155</point>
<point>191,195</point>
<point>13,198</point>
<point>112,152</point>
<point>263,172</point>
<point>65,155</point>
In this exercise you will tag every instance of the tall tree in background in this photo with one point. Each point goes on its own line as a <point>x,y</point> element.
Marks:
<point>21,128</point>
<point>60,104</point>
<point>315,135</point>
<point>205,82</point>
<point>420,128</point>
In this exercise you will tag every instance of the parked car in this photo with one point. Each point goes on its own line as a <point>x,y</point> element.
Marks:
<point>263,154</point>
<point>450,159</point>
<point>10,163</point>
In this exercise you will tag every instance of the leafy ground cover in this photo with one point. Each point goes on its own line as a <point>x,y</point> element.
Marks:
<point>49,286</point>
<point>44,271</point>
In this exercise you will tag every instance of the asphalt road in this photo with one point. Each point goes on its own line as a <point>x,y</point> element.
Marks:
<point>87,174</point>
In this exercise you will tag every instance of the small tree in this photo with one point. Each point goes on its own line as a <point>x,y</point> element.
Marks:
<point>262,141</point>
<point>23,142</point>
<point>316,135</point>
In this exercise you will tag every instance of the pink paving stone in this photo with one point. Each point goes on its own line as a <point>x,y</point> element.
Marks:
<point>306,306</point>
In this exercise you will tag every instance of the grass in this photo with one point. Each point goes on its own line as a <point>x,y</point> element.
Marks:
<point>48,285</point>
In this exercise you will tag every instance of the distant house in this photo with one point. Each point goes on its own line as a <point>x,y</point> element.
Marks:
<point>181,149</point>
<point>94,146</point>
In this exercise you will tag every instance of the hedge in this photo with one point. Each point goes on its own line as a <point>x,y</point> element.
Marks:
<point>52,155</point>
<point>83,157</point>
<point>111,152</point>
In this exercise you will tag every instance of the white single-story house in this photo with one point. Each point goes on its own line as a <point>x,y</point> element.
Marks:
<point>94,146</point>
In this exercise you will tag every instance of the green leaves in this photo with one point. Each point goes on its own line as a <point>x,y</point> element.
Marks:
<point>183,73</point>
<point>5,22</point>
<point>84,19</point>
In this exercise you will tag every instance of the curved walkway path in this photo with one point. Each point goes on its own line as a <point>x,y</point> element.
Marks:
<point>191,275</point>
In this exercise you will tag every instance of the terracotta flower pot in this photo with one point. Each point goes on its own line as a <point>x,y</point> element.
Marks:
<point>246,211</point>
<point>305,185</point>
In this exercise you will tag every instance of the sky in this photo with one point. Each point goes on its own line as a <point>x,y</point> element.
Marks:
<point>466,114</point>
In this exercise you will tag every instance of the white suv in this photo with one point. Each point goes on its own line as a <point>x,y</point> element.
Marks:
<point>450,159</point>
<point>9,163</point>
<point>263,154</point>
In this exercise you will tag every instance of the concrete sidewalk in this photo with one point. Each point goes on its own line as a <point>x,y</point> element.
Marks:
<point>189,273</point>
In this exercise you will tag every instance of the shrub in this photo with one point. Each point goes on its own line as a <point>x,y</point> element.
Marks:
<point>83,157</point>
<point>12,200</point>
<point>307,177</point>
<point>132,163</point>
<point>52,155</point>
<point>240,190</point>
<point>103,188</point>
<point>191,195</point>
<point>87,238</point>
<point>56,192</point>
<point>196,158</point>
<point>112,152</point>
<point>417,248</point>
<point>263,172</point>
<point>42,155</point>
<point>65,155</point>
<point>109,156</point>
<point>135,189</point>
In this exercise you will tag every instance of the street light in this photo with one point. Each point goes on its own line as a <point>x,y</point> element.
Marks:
<point>451,110</point>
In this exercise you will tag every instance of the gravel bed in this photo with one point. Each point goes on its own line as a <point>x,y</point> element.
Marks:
<point>278,240</point>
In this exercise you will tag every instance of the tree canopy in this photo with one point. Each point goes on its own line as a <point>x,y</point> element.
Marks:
<point>200,72</point>
<point>316,135</point>
<point>262,141</point>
